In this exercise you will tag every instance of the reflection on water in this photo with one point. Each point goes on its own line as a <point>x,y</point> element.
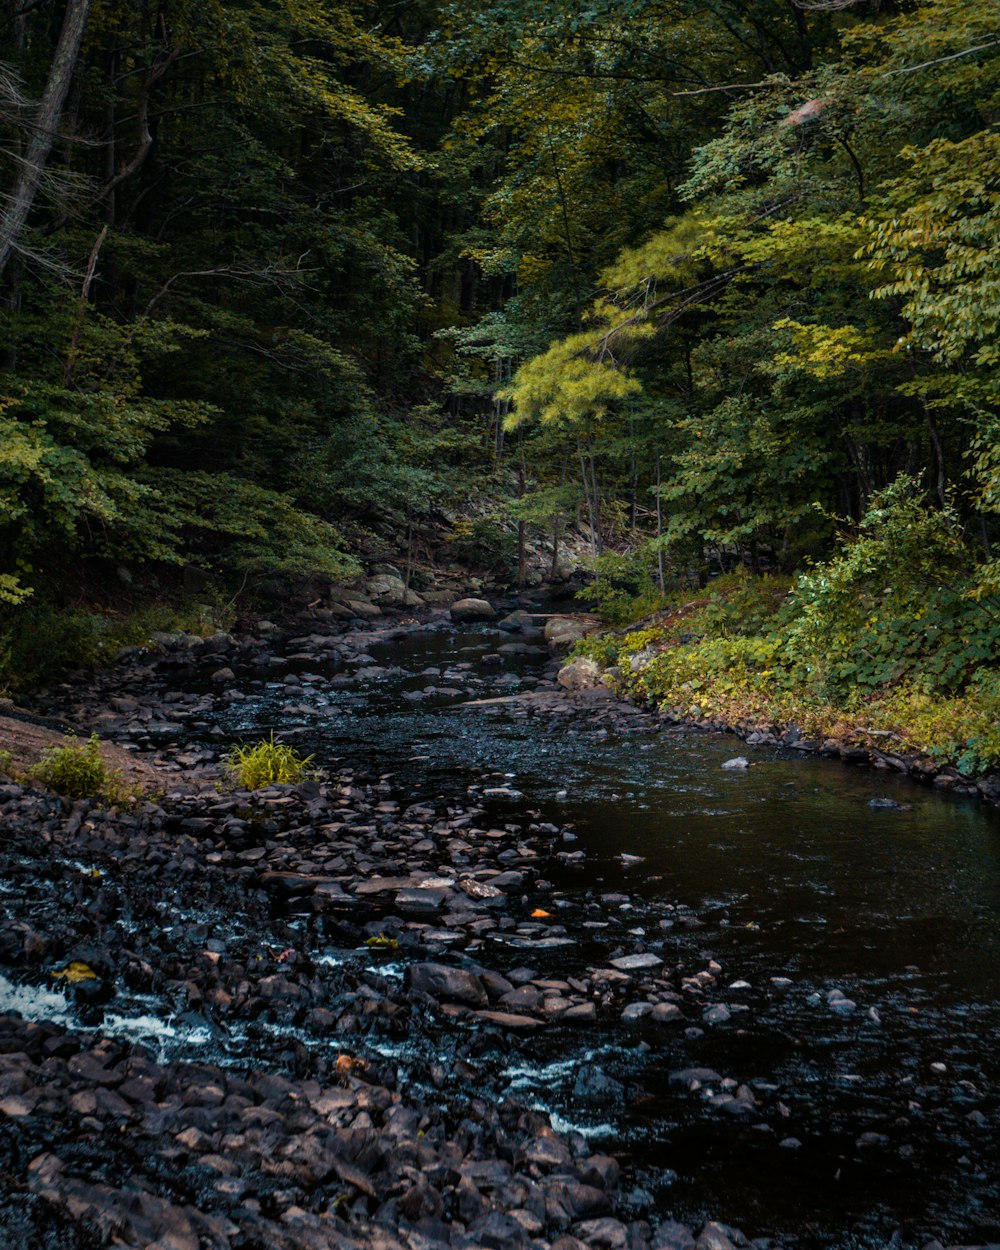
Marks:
<point>862,1120</point>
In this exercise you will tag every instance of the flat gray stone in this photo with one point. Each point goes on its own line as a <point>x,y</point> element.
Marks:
<point>637,963</point>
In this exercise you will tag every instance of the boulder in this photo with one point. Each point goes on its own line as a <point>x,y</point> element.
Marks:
<point>439,598</point>
<point>561,632</point>
<point>641,659</point>
<point>455,984</point>
<point>389,589</point>
<point>515,622</point>
<point>580,674</point>
<point>362,608</point>
<point>472,610</point>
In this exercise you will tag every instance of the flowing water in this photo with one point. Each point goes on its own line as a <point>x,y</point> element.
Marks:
<point>865,1121</point>
<point>788,873</point>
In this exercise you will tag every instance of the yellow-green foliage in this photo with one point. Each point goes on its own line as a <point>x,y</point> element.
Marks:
<point>79,771</point>
<point>572,381</point>
<point>963,730</point>
<point>753,656</point>
<point>267,763</point>
<point>6,760</point>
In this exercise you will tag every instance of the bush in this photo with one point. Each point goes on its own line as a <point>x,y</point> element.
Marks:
<point>267,763</point>
<point>624,587</point>
<point>79,771</point>
<point>39,641</point>
<point>486,545</point>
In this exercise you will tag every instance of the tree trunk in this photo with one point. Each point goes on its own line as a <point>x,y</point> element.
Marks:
<point>660,569</point>
<point>15,215</point>
<point>522,529</point>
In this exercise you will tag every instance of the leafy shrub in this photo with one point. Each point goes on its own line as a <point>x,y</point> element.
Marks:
<point>6,762</point>
<point>624,588</point>
<point>267,763</point>
<point>39,642</point>
<point>79,771</point>
<point>485,544</point>
<point>743,603</point>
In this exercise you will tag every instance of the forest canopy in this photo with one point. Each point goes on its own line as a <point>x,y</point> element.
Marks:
<point>278,276</point>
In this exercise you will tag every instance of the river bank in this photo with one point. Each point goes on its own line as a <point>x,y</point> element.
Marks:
<point>340,1014</point>
<point>733,660</point>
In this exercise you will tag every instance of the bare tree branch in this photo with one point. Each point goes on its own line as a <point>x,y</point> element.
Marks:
<point>954,56</point>
<point>15,216</point>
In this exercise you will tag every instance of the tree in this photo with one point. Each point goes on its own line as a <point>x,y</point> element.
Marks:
<point>31,166</point>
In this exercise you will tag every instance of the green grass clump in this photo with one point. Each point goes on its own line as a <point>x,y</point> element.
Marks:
<point>79,771</point>
<point>267,763</point>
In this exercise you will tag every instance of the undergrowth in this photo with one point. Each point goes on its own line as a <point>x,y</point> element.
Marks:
<point>78,770</point>
<point>891,644</point>
<point>39,641</point>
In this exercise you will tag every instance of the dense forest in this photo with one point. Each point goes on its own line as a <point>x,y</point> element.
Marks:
<point>287,284</point>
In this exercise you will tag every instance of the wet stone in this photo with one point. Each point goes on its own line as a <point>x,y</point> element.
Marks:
<point>637,963</point>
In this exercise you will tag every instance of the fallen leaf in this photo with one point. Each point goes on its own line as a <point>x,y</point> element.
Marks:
<point>76,971</point>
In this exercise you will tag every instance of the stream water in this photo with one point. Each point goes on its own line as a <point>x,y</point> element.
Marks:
<point>864,1120</point>
<point>869,1120</point>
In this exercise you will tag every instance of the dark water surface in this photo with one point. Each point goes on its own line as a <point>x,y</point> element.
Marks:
<point>788,873</point>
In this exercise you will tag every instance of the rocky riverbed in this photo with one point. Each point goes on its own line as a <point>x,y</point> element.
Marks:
<point>380,1010</point>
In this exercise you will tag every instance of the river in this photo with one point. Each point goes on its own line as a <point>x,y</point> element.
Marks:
<point>789,873</point>
<point>858,945</point>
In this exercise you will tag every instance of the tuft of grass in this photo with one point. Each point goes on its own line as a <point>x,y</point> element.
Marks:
<point>267,763</point>
<point>6,763</point>
<point>78,770</point>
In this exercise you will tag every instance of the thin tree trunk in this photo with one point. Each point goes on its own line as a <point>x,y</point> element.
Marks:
<point>522,529</point>
<point>942,477</point>
<point>588,495</point>
<point>29,178</point>
<point>660,569</point>
<point>81,310</point>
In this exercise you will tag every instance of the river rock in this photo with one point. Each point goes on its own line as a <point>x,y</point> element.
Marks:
<point>715,1237</point>
<point>390,589</point>
<point>637,963</point>
<point>694,1077</point>
<point>605,1234</point>
<point>362,608</point>
<point>580,674</point>
<point>739,764</point>
<point>562,632</point>
<point>666,1013</point>
<point>515,622</point>
<point>673,1236</point>
<point>472,610</point>
<point>509,1020</point>
<point>441,981</point>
